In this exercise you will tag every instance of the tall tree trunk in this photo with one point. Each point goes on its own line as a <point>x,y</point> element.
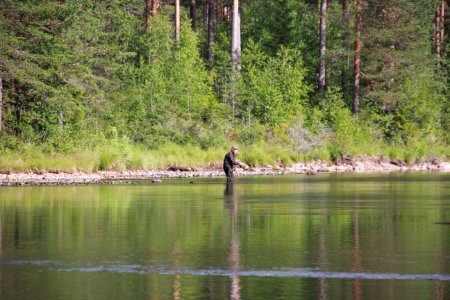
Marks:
<point>219,9</point>
<point>193,14</point>
<point>1,104</point>
<point>346,20</point>
<point>435,30</point>
<point>437,22</point>
<point>236,37</point>
<point>356,87</point>
<point>447,19</point>
<point>442,23</point>
<point>204,9</point>
<point>151,10</point>
<point>323,46</point>
<point>442,20</point>
<point>155,6</point>
<point>211,31</point>
<point>235,53</point>
<point>319,12</point>
<point>177,20</point>
<point>346,45</point>
<point>148,10</point>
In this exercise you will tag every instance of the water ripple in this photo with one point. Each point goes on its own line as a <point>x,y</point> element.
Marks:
<point>305,273</point>
<point>302,273</point>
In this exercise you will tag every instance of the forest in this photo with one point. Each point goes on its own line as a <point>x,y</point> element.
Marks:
<point>130,84</point>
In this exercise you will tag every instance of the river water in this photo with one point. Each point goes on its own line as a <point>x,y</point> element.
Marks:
<point>330,236</point>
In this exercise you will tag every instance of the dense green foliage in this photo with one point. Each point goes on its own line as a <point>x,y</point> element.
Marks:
<point>84,75</point>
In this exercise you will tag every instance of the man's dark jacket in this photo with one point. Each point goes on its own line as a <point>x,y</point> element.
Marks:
<point>228,162</point>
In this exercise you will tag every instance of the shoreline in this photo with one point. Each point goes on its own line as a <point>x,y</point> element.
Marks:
<point>363,164</point>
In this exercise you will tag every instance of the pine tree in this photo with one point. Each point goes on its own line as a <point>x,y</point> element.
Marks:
<point>397,64</point>
<point>34,64</point>
<point>193,13</point>
<point>345,44</point>
<point>177,20</point>
<point>396,45</point>
<point>357,70</point>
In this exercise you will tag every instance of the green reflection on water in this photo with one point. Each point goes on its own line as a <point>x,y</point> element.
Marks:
<point>370,224</point>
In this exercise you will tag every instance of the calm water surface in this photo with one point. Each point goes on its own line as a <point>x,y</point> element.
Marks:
<point>329,236</point>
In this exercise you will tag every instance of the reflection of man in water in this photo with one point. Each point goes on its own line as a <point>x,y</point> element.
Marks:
<point>234,257</point>
<point>229,188</point>
<point>229,161</point>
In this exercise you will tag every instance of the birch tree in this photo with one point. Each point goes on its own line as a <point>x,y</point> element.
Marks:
<point>236,37</point>
<point>437,25</point>
<point>323,41</point>
<point>235,53</point>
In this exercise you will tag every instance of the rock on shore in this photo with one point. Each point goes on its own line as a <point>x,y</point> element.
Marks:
<point>358,164</point>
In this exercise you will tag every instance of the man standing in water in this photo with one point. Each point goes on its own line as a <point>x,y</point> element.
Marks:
<point>229,161</point>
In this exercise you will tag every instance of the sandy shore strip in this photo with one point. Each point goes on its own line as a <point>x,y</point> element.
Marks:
<point>364,164</point>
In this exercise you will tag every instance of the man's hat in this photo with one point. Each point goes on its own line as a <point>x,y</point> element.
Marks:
<point>234,148</point>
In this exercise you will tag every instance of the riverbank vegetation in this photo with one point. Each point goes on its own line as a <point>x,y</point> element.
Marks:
<point>116,84</point>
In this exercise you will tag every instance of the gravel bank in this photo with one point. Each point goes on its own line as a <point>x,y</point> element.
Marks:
<point>363,164</point>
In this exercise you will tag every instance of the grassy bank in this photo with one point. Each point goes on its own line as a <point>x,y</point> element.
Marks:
<point>123,156</point>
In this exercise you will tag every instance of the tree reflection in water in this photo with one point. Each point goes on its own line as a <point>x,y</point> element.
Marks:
<point>356,255</point>
<point>231,201</point>
<point>176,281</point>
